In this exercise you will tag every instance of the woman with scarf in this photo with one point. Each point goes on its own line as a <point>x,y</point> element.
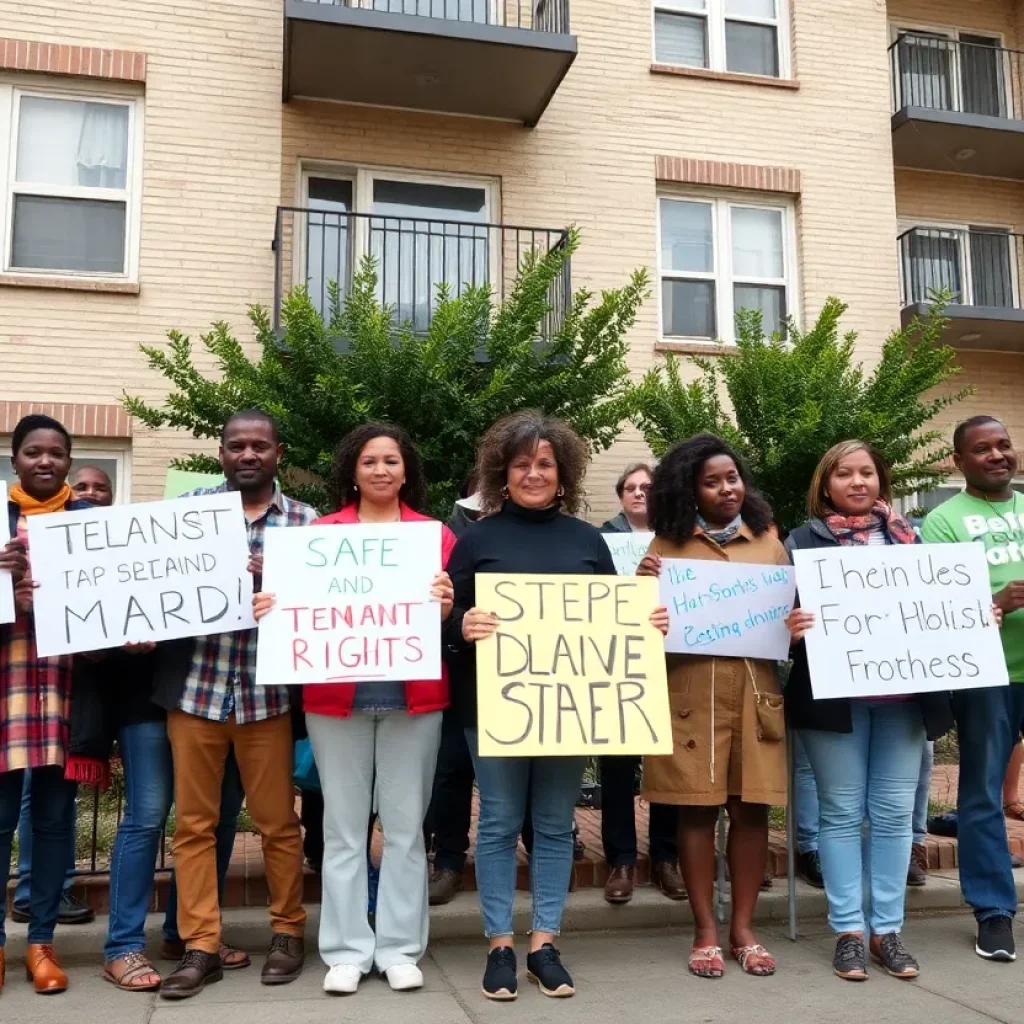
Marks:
<point>727,721</point>
<point>35,696</point>
<point>865,752</point>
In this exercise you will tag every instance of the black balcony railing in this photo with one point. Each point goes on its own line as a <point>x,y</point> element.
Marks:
<point>977,266</point>
<point>414,258</point>
<point>969,75</point>
<point>539,15</point>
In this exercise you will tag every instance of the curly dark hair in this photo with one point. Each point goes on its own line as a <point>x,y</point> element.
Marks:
<point>522,432</point>
<point>672,501</point>
<point>342,481</point>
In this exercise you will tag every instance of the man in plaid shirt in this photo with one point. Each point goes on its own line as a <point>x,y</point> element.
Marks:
<point>208,687</point>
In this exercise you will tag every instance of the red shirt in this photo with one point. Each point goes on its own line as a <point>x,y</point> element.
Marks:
<point>421,695</point>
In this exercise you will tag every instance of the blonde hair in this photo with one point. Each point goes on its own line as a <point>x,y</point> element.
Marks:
<point>818,504</point>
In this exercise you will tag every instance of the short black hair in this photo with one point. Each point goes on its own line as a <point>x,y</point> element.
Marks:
<point>36,421</point>
<point>249,415</point>
<point>960,434</point>
<point>342,481</point>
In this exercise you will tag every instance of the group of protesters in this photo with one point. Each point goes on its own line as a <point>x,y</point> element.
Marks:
<point>192,729</point>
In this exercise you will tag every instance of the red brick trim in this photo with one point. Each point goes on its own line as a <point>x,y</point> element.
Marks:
<point>63,59</point>
<point>725,76</point>
<point>757,177</point>
<point>80,420</point>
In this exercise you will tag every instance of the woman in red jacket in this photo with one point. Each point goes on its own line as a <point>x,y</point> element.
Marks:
<point>376,738</point>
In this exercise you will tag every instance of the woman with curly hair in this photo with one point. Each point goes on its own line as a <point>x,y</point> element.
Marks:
<point>726,712</point>
<point>531,471</point>
<point>376,738</point>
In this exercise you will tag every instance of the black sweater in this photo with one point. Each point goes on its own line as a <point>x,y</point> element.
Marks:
<point>514,540</point>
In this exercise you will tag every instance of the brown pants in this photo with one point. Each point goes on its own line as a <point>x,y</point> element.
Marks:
<point>264,754</point>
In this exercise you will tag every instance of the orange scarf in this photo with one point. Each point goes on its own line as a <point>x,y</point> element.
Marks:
<point>30,506</point>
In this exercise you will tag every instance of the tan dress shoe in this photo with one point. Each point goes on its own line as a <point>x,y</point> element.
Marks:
<point>44,971</point>
<point>667,878</point>
<point>619,887</point>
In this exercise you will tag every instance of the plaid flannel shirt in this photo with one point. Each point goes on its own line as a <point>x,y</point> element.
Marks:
<point>222,680</point>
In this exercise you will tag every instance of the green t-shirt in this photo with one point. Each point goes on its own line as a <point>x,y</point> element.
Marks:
<point>999,525</point>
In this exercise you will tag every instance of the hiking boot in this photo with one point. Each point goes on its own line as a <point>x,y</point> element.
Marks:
<point>443,886</point>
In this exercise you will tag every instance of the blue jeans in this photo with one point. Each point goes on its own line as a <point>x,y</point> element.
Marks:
<point>231,797</point>
<point>21,892</point>
<point>871,772</point>
<point>554,786</point>
<point>805,792</point>
<point>989,723</point>
<point>149,790</point>
<point>924,787</point>
<point>52,810</point>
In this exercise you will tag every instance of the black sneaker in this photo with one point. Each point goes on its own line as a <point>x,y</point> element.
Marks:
<point>808,867</point>
<point>545,969</point>
<point>995,939</point>
<point>21,912</point>
<point>73,910</point>
<point>500,977</point>
<point>851,960</point>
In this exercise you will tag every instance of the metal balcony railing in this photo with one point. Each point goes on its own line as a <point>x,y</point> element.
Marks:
<point>539,15</point>
<point>414,257</point>
<point>978,266</point>
<point>968,75</point>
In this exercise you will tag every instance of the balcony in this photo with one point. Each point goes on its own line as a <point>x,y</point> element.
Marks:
<point>957,105</point>
<point>980,267</point>
<point>499,59</point>
<point>414,257</point>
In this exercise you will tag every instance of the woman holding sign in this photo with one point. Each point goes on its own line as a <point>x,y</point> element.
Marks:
<point>726,712</point>
<point>376,739</point>
<point>866,753</point>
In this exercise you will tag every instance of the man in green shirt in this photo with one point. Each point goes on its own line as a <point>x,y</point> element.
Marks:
<point>989,720</point>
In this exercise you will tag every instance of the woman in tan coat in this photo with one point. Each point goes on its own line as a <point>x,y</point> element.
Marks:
<point>727,722</point>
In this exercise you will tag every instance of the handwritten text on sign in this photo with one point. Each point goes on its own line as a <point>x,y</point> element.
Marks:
<point>353,604</point>
<point>6,583</point>
<point>905,618</point>
<point>727,609</point>
<point>628,549</point>
<point>132,573</point>
<point>575,667</point>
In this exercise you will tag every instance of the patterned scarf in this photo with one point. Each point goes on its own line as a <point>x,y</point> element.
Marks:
<point>858,529</point>
<point>29,506</point>
<point>720,536</point>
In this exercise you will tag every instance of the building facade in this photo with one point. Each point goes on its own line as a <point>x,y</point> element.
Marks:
<point>167,167</point>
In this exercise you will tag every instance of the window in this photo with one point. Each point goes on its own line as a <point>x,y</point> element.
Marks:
<point>743,36</point>
<point>922,502</point>
<point>718,256</point>
<point>113,459</point>
<point>71,192</point>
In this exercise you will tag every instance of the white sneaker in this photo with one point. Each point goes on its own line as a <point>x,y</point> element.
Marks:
<point>343,979</point>
<point>403,977</point>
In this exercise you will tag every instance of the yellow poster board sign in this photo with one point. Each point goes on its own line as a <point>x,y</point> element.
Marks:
<point>574,668</point>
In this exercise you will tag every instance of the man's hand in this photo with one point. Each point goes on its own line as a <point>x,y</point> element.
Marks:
<point>1011,597</point>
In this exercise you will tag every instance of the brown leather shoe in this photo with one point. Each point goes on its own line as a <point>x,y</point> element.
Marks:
<point>665,875</point>
<point>172,951</point>
<point>44,971</point>
<point>917,872</point>
<point>619,887</point>
<point>285,959</point>
<point>196,970</point>
<point>443,886</point>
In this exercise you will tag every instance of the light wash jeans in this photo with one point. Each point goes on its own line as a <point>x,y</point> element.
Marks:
<point>805,791</point>
<point>553,784</point>
<point>871,772</point>
<point>924,786</point>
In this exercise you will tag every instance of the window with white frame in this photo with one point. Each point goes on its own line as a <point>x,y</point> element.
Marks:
<point>746,37</point>
<point>923,502</point>
<point>112,457</point>
<point>718,256</point>
<point>71,192</point>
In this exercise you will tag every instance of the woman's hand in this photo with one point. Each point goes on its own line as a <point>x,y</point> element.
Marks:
<point>255,565</point>
<point>997,616</point>
<point>261,604</point>
<point>478,625</point>
<point>441,589</point>
<point>650,565</point>
<point>23,593</point>
<point>14,560</point>
<point>799,622</point>
<point>143,647</point>
<point>659,620</point>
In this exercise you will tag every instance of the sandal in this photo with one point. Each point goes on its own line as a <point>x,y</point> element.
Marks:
<point>764,967</point>
<point>1014,810</point>
<point>127,972</point>
<point>706,962</point>
<point>232,959</point>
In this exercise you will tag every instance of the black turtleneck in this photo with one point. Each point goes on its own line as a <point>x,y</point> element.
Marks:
<point>514,540</point>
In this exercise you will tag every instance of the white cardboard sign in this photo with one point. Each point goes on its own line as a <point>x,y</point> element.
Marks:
<point>6,583</point>
<point>899,619</point>
<point>132,573</point>
<point>352,604</point>
<point>628,549</point>
<point>727,609</point>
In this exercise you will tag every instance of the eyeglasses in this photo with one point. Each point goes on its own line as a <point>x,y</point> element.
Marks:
<point>636,489</point>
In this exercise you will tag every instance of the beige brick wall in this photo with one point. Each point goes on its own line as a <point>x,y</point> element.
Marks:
<point>1002,16</point>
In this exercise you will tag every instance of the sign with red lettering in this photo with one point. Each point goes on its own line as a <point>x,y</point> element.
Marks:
<point>352,604</point>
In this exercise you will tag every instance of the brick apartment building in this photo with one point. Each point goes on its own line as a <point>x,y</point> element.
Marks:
<point>166,165</point>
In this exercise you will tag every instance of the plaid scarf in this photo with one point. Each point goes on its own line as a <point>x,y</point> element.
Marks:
<point>858,529</point>
<point>721,536</point>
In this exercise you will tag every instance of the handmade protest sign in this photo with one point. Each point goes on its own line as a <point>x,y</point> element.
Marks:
<point>134,573</point>
<point>6,583</point>
<point>904,618</point>
<point>628,549</point>
<point>727,609</point>
<point>352,604</point>
<point>574,668</point>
